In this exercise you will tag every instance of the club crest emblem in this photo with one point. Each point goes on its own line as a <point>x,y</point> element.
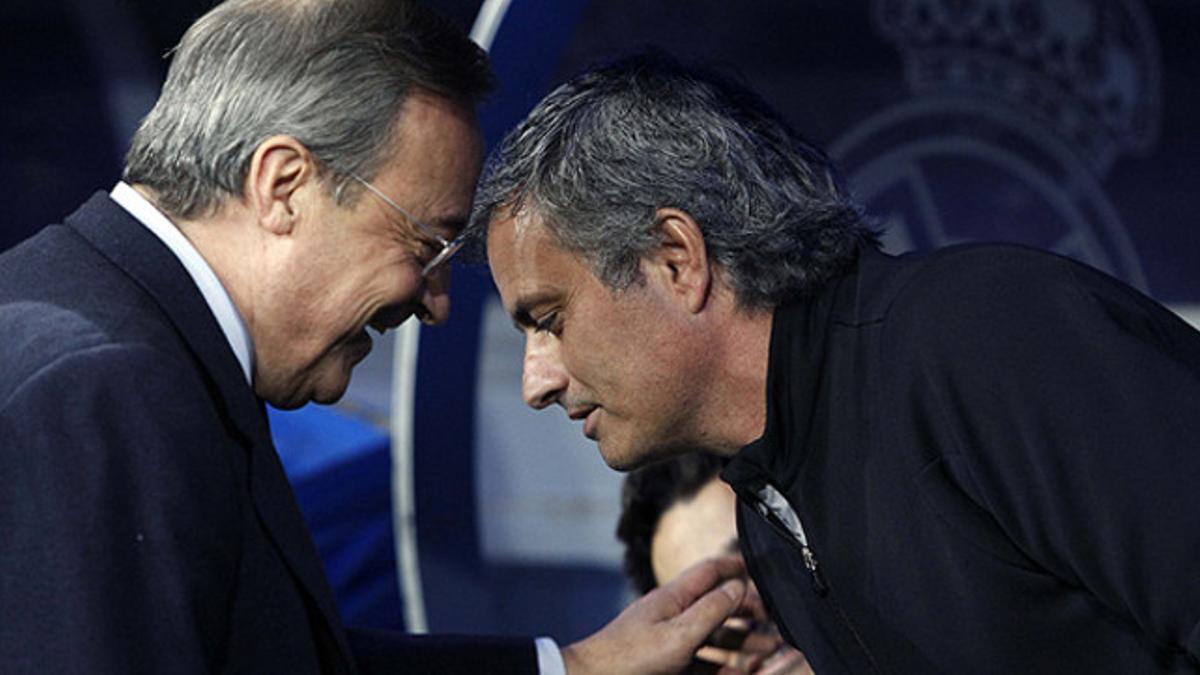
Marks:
<point>1019,109</point>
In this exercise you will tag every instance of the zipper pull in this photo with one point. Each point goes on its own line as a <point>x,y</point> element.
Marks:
<point>810,563</point>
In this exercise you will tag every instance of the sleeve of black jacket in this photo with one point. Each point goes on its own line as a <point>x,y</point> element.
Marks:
<point>1075,404</point>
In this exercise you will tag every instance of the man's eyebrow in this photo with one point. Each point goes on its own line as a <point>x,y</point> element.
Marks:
<point>522,312</point>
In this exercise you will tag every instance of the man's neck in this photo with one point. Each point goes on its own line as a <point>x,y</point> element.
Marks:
<point>200,264</point>
<point>737,407</point>
<point>224,241</point>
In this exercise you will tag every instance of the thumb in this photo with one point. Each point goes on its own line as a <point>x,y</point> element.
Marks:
<point>710,611</point>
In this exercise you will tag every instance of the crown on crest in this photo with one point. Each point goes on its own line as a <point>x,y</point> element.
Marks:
<point>1087,68</point>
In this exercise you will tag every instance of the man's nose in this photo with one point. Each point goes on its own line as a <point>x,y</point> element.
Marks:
<point>544,378</point>
<point>435,297</point>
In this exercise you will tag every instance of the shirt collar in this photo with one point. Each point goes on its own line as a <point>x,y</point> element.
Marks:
<point>206,280</point>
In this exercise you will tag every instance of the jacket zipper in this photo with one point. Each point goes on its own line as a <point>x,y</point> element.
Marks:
<point>770,502</point>
<point>815,576</point>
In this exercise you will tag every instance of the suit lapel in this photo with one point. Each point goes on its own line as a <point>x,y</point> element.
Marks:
<point>134,249</point>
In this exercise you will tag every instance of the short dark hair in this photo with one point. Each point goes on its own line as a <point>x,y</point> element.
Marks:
<point>647,494</point>
<point>596,159</point>
<point>333,74</point>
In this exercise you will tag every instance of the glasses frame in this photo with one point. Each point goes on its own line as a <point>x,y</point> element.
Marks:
<point>449,247</point>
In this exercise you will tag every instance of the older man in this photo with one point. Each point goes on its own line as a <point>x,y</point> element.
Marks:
<point>977,460</point>
<point>301,179</point>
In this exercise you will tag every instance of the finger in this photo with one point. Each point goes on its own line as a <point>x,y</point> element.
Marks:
<point>741,623</point>
<point>761,643</point>
<point>729,657</point>
<point>733,661</point>
<point>716,655</point>
<point>695,623</point>
<point>727,636</point>
<point>695,582</point>
<point>753,607</point>
<point>704,575</point>
<point>786,661</point>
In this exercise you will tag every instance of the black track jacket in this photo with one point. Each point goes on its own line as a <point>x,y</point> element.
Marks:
<point>981,460</point>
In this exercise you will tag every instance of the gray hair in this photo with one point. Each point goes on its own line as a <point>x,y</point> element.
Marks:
<point>601,154</point>
<point>331,73</point>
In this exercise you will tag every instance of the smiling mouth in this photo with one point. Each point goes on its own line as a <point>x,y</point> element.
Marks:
<point>360,346</point>
<point>380,327</point>
<point>387,319</point>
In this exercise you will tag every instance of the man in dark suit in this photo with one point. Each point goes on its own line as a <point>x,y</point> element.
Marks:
<point>302,177</point>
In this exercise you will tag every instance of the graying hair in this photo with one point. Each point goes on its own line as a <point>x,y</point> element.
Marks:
<point>601,154</point>
<point>331,73</point>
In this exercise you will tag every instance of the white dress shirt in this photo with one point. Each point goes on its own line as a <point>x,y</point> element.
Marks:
<point>206,280</point>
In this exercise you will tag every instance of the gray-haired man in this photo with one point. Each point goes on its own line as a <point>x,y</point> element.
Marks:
<point>977,460</point>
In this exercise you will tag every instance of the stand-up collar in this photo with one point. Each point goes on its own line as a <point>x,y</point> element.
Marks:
<point>800,331</point>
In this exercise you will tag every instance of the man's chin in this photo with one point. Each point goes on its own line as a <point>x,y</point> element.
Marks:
<point>326,393</point>
<point>290,398</point>
<point>621,457</point>
<point>626,457</point>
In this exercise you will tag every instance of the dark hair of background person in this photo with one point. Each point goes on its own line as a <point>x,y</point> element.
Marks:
<point>333,75</point>
<point>596,159</point>
<point>646,494</point>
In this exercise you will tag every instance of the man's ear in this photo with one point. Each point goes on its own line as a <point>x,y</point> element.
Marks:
<point>681,260</point>
<point>279,167</point>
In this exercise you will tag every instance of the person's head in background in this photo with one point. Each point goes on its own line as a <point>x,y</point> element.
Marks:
<point>675,514</point>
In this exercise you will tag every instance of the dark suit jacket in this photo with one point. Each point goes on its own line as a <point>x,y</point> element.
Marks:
<point>146,525</point>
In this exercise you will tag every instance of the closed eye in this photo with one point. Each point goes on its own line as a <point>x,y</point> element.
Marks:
<point>547,324</point>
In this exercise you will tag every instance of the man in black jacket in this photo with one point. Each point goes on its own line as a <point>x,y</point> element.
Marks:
<point>301,178</point>
<point>977,460</point>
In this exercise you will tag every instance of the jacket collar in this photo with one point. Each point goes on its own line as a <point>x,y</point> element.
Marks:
<point>796,369</point>
<point>141,255</point>
<point>764,461</point>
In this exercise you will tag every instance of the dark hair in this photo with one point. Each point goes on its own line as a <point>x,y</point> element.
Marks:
<point>602,153</point>
<point>647,494</point>
<point>331,73</point>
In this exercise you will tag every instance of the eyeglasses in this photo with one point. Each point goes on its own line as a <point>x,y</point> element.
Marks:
<point>449,247</point>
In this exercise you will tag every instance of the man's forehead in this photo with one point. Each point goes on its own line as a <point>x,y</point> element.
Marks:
<point>515,240</point>
<point>527,263</point>
<point>514,225</point>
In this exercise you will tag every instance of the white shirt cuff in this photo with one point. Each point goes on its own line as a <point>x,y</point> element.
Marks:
<point>550,661</point>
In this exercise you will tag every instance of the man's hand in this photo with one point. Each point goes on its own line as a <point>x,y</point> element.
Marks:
<point>659,633</point>
<point>743,646</point>
<point>748,643</point>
